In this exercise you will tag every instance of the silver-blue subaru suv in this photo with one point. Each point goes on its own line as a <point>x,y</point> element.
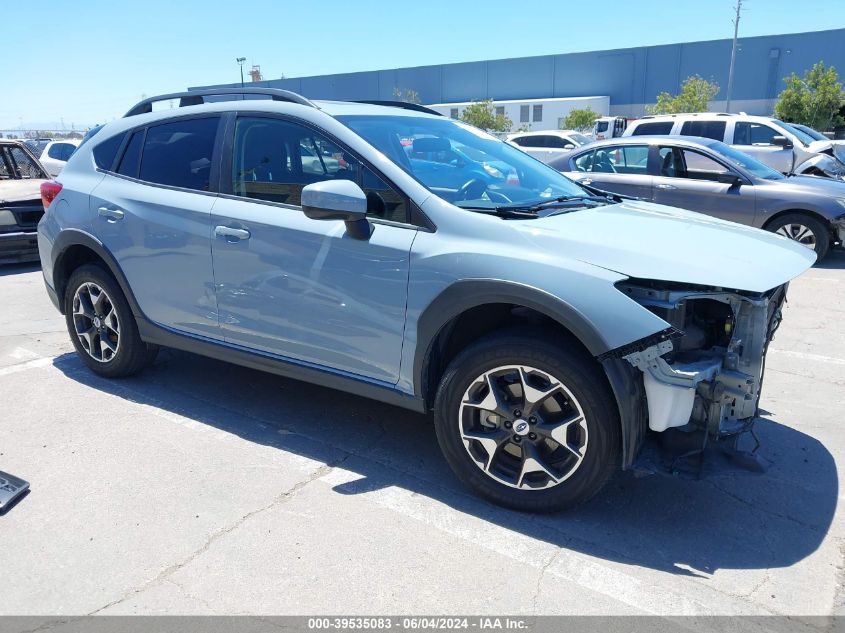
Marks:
<point>387,251</point>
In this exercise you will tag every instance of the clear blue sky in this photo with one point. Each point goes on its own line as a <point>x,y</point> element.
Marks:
<point>104,54</point>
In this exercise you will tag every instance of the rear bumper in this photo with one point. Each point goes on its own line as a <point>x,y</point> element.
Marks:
<point>20,246</point>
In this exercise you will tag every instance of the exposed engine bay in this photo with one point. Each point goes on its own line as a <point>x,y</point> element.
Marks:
<point>706,373</point>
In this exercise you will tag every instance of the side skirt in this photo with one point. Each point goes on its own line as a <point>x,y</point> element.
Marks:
<point>279,365</point>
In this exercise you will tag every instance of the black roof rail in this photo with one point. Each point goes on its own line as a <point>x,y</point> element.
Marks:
<point>416,107</point>
<point>197,97</point>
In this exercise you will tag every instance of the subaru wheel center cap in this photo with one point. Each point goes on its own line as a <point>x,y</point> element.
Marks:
<point>96,322</point>
<point>520,427</point>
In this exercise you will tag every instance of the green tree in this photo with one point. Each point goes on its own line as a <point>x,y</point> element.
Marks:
<point>579,119</point>
<point>695,93</point>
<point>483,115</point>
<point>407,95</point>
<point>814,100</point>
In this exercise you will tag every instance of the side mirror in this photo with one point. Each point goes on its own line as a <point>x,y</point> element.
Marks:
<point>338,200</point>
<point>729,178</point>
<point>782,141</point>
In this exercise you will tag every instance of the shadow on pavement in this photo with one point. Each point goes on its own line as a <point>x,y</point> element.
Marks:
<point>835,260</point>
<point>16,269</point>
<point>730,520</point>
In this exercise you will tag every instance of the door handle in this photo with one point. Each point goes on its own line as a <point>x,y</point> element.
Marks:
<point>111,215</point>
<point>586,181</point>
<point>231,235</point>
<point>665,186</point>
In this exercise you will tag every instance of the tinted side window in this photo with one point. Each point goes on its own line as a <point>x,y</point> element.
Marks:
<point>67,150</point>
<point>706,129</point>
<point>179,153</point>
<point>676,162</point>
<point>106,152</point>
<point>626,159</point>
<point>274,160</point>
<point>522,141</point>
<point>753,134</point>
<point>55,151</point>
<point>658,127</point>
<point>132,156</point>
<point>556,141</point>
<point>584,162</point>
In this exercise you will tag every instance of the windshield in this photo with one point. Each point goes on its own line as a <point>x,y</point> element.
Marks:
<point>814,134</point>
<point>805,138</point>
<point>462,164</point>
<point>580,139</point>
<point>746,162</point>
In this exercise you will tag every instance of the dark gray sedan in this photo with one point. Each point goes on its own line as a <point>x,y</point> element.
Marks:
<point>710,177</point>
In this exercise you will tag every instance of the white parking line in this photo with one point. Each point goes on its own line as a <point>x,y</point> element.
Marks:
<point>651,595</point>
<point>831,360</point>
<point>26,366</point>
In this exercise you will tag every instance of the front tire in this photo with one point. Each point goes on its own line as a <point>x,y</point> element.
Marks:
<point>528,423</point>
<point>101,324</point>
<point>804,229</point>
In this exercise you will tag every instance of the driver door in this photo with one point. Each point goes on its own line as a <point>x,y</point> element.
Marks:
<point>690,180</point>
<point>299,288</point>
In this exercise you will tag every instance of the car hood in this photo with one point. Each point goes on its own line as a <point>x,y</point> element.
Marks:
<point>808,186</point>
<point>651,241</point>
<point>20,190</point>
<point>838,148</point>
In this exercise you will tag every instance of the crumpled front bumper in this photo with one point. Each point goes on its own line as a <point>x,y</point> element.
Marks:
<point>717,388</point>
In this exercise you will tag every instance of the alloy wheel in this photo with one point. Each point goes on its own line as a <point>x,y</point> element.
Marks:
<point>523,427</point>
<point>96,323</point>
<point>800,233</point>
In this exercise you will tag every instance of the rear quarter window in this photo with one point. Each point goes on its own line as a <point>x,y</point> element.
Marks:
<point>106,152</point>
<point>658,127</point>
<point>705,129</point>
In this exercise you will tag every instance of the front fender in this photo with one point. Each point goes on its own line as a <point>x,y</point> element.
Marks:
<point>470,293</point>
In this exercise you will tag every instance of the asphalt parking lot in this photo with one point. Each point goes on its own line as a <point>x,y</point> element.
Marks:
<point>205,488</point>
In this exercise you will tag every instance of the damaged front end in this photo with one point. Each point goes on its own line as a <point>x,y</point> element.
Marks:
<point>703,375</point>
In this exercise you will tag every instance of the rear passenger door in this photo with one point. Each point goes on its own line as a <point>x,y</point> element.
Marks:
<point>152,211</point>
<point>617,168</point>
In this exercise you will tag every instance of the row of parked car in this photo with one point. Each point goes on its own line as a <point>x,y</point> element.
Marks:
<point>759,171</point>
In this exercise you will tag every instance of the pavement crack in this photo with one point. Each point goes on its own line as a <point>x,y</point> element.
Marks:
<point>542,573</point>
<point>764,510</point>
<point>280,499</point>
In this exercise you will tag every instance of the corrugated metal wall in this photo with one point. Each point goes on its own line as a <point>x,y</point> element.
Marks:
<point>631,77</point>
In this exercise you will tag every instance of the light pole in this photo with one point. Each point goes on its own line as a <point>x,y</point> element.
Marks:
<point>733,58</point>
<point>241,61</point>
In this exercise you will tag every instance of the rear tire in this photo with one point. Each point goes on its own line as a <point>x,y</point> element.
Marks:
<point>552,396</point>
<point>804,229</point>
<point>101,324</point>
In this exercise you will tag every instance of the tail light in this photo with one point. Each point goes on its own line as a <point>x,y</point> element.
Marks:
<point>49,191</point>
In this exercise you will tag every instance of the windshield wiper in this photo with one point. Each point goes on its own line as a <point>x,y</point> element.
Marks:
<point>556,202</point>
<point>504,211</point>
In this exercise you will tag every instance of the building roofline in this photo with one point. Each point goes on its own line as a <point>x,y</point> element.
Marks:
<point>505,59</point>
